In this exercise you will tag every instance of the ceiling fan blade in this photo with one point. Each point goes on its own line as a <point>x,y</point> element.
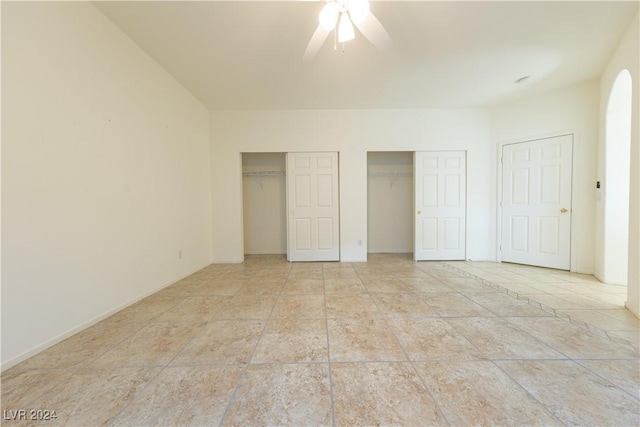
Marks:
<point>373,30</point>
<point>317,39</point>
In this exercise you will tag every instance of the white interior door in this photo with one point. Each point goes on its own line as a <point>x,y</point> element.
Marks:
<point>440,203</point>
<point>536,202</point>
<point>312,207</point>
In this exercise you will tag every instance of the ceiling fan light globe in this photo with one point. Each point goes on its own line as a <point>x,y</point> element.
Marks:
<point>345,29</point>
<point>358,10</point>
<point>329,16</point>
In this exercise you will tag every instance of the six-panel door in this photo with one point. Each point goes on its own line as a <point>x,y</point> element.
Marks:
<point>440,204</point>
<point>312,205</point>
<point>536,202</point>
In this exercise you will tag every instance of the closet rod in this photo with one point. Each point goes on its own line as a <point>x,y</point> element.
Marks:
<point>392,174</point>
<point>263,173</point>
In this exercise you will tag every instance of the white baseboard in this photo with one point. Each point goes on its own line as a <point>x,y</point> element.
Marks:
<point>632,308</point>
<point>50,343</point>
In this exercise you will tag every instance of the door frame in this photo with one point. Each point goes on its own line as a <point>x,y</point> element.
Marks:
<point>242,203</point>
<point>412,209</point>
<point>500,145</point>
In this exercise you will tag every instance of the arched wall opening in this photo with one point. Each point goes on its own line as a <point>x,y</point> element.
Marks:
<point>617,180</point>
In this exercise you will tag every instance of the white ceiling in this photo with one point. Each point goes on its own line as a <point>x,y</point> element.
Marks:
<point>248,55</point>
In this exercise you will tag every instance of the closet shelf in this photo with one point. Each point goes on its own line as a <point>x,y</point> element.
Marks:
<point>263,173</point>
<point>258,175</point>
<point>392,174</point>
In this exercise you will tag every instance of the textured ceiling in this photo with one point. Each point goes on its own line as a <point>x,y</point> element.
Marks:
<point>248,55</point>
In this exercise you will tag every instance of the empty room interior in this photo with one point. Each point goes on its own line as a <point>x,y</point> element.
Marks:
<point>320,213</point>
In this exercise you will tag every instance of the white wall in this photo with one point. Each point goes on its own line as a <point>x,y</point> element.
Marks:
<point>614,191</point>
<point>105,174</point>
<point>352,133</point>
<point>570,110</point>
<point>390,202</point>
<point>626,57</point>
<point>264,204</point>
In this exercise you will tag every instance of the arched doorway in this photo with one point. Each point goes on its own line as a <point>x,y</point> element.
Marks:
<point>617,180</point>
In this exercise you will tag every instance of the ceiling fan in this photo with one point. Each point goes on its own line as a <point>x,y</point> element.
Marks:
<point>341,16</point>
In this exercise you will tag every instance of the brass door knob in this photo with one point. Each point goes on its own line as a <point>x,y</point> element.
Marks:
<point>419,212</point>
<point>564,210</point>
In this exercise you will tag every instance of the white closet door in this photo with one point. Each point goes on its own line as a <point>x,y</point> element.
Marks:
<point>536,202</point>
<point>440,203</point>
<point>312,205</point>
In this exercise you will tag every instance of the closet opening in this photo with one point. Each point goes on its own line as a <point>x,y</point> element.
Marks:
<point>390,197</point>
<point>264,203</point>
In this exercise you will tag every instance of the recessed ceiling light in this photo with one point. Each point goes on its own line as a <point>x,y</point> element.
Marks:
<point>522,80</point>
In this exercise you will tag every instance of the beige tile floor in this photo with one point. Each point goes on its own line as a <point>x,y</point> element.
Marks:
<point>385,342</point>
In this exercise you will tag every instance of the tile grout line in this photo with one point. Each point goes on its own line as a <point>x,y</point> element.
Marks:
<point>528,393</point>
<point>243,374</point>
<point>415,370</point>
<point>326,325</point>
<point>566,359</point>
<point>605,379</point>
<point>72,372</point>
<point>162,369</point>
<point>113,419</point>
<point>85,367</point>
<point>549,310</point>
